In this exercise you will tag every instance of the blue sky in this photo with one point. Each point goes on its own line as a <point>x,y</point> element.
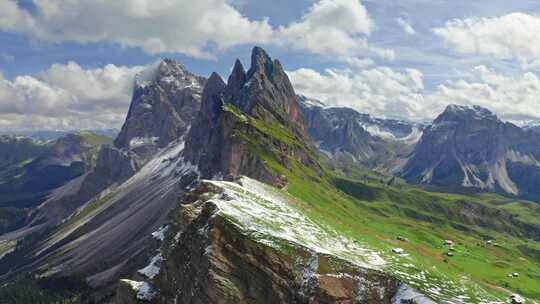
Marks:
<point>70,65</point>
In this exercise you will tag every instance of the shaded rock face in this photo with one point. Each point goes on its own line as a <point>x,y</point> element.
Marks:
<point>389,129</point>
<point>534,129</point>
<point>207,259</point>
<point>471,147</point>
<point>125,294</point>
<point>166,98</point>
<point>346,135</point>
<point>217,142</point>
<point>337,131</point>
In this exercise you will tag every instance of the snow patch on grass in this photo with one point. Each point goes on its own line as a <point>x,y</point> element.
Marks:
<point>267,213</point>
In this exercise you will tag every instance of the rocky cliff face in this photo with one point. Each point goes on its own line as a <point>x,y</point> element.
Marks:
<point>345,135</point>
<point>241,242</point>
<point>252,108</point>
<point>470,147</point>
<point>534,129</point>
<point>165,100</point>
<point>216,250</point>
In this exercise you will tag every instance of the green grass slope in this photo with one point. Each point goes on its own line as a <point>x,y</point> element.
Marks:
<point>377,215</point>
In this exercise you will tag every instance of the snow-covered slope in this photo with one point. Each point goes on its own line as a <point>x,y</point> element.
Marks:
<point>267,214</point>
<point>246,241</point>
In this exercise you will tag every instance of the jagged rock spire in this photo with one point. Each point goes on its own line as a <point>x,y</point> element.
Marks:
<point>212,100</point>
<point>236,82</point>
<point>266,88</point>
<point>260,62</point>
<point>264,93</point>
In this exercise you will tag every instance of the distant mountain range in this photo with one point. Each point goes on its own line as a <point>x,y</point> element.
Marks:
<point>464,148</point>
<point>469,147</point>
<point>348,136</point>
<point>31,168</point>
<point>46,135</point>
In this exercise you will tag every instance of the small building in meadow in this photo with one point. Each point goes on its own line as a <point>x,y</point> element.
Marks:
<point>398,250</point>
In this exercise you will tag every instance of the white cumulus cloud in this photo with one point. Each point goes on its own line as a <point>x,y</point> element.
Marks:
<point>512,98</point>
<point>512,36</point>
<point>380,91</point>
<point>195,28</point>
<point>385,92</point>
<point>332,27</point>
<point>67,96</point>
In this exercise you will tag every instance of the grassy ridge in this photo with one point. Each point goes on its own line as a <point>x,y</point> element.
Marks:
<point>376,214</point>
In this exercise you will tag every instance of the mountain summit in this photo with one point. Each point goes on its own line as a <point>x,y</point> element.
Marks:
<point>265,89</point>
<point>166,98</point>
<point>260,101</point>
<point>471,147</point>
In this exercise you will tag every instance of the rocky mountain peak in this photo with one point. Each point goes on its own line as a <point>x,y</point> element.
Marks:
<point>455,112</point>
<point>166,98</point>
<point>238,74</point>
<point>470,147</point>
<point>265,94</point>
<point>212,97</point>
<point>260,61</point>
<point>214,85</point>
<point>236,81</point>
<point>266,89</point>
<point>306,101</point>
<point>169,74</point>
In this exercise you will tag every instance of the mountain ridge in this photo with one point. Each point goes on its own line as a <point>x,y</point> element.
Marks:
<point>166,98</point>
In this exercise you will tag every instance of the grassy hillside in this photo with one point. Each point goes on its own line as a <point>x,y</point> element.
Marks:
<point>378,215</point>
<point>93,139</point>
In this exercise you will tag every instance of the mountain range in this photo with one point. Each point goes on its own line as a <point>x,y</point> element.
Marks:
<point>245,192</point>
<point>470,147</point>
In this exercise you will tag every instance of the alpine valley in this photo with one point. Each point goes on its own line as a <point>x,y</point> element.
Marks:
<point>239,190</point>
